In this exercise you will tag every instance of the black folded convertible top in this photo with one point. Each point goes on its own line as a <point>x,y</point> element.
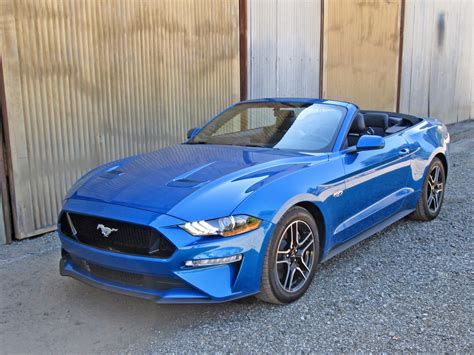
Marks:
<point>412,119</point>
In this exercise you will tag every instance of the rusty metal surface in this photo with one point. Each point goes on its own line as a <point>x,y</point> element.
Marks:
<point>99,80</point>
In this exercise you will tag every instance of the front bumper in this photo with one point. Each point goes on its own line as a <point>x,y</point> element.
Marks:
<point>166,280</point>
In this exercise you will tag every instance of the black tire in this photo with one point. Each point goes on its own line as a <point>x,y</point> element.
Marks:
<point>432,194</point>
<point>284,260</point>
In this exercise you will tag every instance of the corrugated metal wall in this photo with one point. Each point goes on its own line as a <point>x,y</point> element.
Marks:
<point>92,81</point>
<point>361,52</point>
<point>438,59</point>
<point>284,40</point>
<point>437,71</point>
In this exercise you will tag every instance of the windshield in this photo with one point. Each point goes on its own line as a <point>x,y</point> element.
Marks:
<point>293,126</point>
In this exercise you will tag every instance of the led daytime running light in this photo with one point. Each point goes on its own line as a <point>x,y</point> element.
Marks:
<point>214,261</point>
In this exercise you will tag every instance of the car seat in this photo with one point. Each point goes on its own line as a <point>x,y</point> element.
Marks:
<point>357,129</point>
<point>376,123</point>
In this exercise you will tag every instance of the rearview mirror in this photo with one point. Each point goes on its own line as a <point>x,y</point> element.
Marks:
<point>192,132</point>
<point>368,142</point>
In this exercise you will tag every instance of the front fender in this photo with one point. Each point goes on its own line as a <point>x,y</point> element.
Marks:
<point>220,198</point>
<point>427,139</point>
<point>315,183</point>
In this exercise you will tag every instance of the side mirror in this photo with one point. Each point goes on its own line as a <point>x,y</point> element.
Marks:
<point>368,142</point>
<point>192,132</point>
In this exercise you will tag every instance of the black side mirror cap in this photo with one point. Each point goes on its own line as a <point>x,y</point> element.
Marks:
<point>367,142</point>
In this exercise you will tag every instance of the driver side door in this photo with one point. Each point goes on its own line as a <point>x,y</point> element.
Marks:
<point>375,185</point>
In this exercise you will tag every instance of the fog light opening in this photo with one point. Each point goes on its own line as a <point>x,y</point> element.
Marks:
<point>213,261</point>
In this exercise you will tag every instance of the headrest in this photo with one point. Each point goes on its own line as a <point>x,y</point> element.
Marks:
<point>373,119</point>
<point>358,125</point>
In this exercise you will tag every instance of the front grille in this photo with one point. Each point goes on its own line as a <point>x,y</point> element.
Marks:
<point>124,237</point>
<point>127,278</point>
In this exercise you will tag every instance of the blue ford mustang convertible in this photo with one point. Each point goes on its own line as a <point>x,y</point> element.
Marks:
<point>252,201</point>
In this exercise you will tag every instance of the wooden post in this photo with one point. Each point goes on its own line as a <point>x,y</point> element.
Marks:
<point>5,210</point>
<point>400,53</point>
<point>243,49</point>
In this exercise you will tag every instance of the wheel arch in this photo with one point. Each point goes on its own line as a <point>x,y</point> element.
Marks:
<point>320,223</point>
<point>444,161</point>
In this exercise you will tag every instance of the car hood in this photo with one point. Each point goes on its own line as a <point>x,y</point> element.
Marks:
<point>188,181</point>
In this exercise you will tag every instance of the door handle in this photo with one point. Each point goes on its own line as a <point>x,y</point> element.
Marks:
<point>404,151</point>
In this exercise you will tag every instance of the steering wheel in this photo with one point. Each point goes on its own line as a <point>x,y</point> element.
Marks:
<point>369,131</point>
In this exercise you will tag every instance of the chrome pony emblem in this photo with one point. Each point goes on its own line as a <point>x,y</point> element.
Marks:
<point>106,231</point>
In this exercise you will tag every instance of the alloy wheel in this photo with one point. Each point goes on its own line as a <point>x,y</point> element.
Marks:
<point>435,188</point>
<point>295,256</point>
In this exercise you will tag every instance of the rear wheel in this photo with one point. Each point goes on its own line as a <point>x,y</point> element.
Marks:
<point>291,258</point>
<point>432,194</point>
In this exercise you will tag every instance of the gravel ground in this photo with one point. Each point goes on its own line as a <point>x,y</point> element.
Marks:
<point>409,288</point>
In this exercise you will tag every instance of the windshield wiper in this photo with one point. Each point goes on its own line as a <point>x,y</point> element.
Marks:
<point>235,145</point>
<point>197,143</point>
<point>258,146</point>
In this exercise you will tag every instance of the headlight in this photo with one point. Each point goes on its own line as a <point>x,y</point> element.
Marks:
<point>226,226</point>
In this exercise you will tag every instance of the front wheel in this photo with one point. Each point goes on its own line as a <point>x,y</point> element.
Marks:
<point>432,194</point>
<point>291,258</point>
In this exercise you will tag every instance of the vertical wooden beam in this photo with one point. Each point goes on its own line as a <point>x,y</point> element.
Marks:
<point>243,49</point>
<point>19,168</point>
<point>321,50</point>
<point>400,53</point>
<point>5,163</point>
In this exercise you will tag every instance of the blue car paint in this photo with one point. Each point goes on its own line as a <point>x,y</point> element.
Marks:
<point>370,143</point>
<point>184,183</point>
<point>161,180</point>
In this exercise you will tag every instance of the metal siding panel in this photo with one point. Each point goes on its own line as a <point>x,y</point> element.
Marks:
<point>263,48</point>
<point>438,70</point>
<point>471,60</point>
<point>100,80</point>
<point>361,52</point>
<point>284,48</point>
<point>9,40</point>
<point>298,48</point>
